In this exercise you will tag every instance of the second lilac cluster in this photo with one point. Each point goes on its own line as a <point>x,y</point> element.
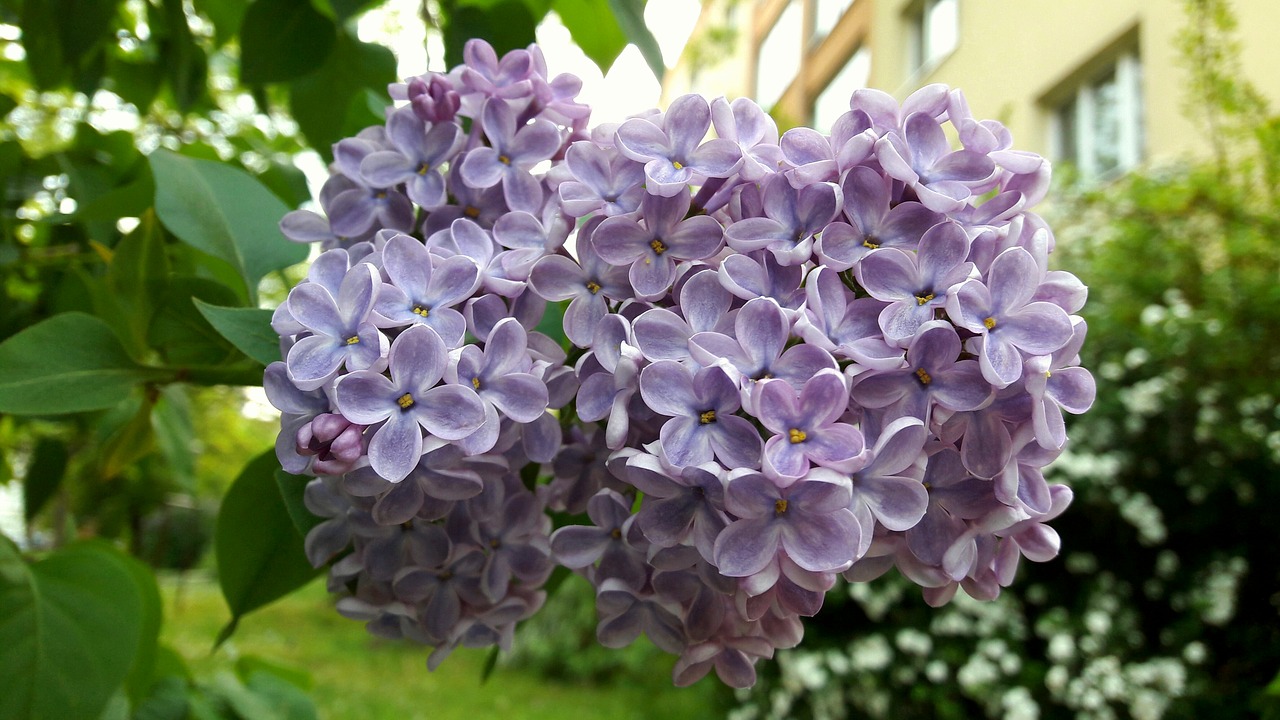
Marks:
<point>792,358</point>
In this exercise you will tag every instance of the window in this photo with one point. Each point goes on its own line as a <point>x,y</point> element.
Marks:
<point>833,101</point>
<point>779,59</point>
<point>1099,126</point>
<point>934,31</point>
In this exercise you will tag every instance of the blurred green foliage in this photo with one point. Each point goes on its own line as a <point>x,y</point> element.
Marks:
<point>148,149</point>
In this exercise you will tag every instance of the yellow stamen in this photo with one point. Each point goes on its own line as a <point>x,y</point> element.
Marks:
<point>924,376</point>
<point>421,311</point>
<point>593,287</point>
<point>870,245</point>
<point>475,383</point>
<point>423,169</point>
<point>381,195</point>
<point>471,211</point>
<point>797,436</point>
<point>405,401</point>
<point>922,299</point>
<point>677,165</point>
<point>353,339</point>
<point>616,534</point>
<point>989,323</point>
<point>707,417</point>
<point>658,247</point>
<point>779,507</point>
<point>1047,374</point>
<point>504,159</point>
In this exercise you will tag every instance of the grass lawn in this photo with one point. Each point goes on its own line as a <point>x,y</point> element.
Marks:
<point>359,676</point>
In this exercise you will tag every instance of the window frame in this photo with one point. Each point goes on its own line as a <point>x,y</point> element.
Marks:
<point>1081,101</point>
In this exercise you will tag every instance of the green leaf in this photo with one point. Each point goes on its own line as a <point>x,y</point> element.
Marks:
<point>249,329</point>
<point>292,489</point>
<point>44,474</point>
<point>42,43</point>
<point>142,673</point>
<point>552,323</point>
<point>172,425</point>
<point>129,200</point>
<point>71,362</point>
<point>506,25</point>
<point>186,66</point>
<point>167,700</point>
<point>224,212</point>
<point>490,664</point>
<point>70,629</point>
<point>282,40</point>
<point>128,443</point>
<point>594,29</point>
<point>135,81</point>
<point>249,665</point>
<point>630,17</point>
<point>260,553</point>
<point>319,101</point>
<point>287,182</point>
<point>343,10</point>
<point>226,16</point>
<point>180,332</point>
<point>137,275</point>
<point>82,40</point>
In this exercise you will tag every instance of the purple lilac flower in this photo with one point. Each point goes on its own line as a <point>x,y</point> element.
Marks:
<point>845,326</point>
<point>681,505</point>
<point>874,221</point>
<point>605,181</point>
<point>606,542</point>
<point>420,152</point>
<point>673,152</point>
<point>861,267</point>
<point>663,335</point>
<point>758,350</point>
<point>793,218</point>
<point>365,207</point>
<point>297,409</point>
<point>433,98</point>
<point>700,406</point>
<point>1002,313</point>
<point>511,153</point>
<point>652,249</point>
<point>499,374</point>
<point>1056,384</point>
<point>756,134</point>
<point>760,274</point>
<point>809,520</point>
<point>625,613</point>
<point>943,179</point>
<point>954,497</point>
<point>586,284</point>
<point>882,489</point>
<point>424,288</point>
<point>916,285</point>
<point>409,402</point>
<point>933,375</point>
<point>335,442</point>
<point>805,425</point>
<point>343,332</point>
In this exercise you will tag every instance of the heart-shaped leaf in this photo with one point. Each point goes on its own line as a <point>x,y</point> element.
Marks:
<point>71,627</point>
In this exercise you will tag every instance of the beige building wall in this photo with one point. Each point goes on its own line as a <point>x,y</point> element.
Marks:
<point>1016,60</point>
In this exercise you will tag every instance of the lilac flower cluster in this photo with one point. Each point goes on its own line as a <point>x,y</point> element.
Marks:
<point>792,359</point>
